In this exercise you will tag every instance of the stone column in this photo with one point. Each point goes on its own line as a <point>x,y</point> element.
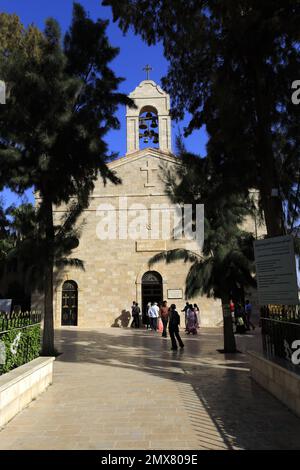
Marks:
<point>132,134</point>
<point>164,126</point>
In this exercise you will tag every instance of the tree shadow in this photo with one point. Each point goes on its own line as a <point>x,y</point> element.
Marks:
<point>226,409</point>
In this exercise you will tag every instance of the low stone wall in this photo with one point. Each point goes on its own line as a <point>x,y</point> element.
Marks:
<point>21,385</point>
<point>280,382</point>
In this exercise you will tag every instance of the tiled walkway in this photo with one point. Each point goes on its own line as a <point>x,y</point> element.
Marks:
<point>125,389</point>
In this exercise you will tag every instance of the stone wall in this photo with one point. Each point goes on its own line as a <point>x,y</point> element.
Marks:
<point>280,382</point>
<point>113,269</point>
<point>20,386</point>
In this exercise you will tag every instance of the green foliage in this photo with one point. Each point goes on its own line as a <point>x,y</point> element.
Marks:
<point>27,347</point>
<point>5,240</point>
<point>62,103</point>
<point>226,264</point>
<point>231,66</point>
<point>26,245</point>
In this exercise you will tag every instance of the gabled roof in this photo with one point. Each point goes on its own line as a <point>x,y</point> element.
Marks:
<point>154,89</point>
<point>151,152</point>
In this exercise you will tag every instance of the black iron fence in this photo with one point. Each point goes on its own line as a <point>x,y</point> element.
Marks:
<point>20,339</point>
<point>281,340</point>
<point>19,320</point>
<point>290,313</point>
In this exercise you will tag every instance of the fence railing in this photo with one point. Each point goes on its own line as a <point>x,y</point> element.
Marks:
<point>290,313</point>
<point>18,320</point>
<point>281,340</point>
<point>20,340</point>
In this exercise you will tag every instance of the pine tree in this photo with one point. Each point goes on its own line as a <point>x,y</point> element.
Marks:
<point>231,66</point>
<point>225,267</point>
<point>62,103</point>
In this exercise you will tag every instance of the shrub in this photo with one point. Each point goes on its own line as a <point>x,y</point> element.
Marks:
<point>20,345</point>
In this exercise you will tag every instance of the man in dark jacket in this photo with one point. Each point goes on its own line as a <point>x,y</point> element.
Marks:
<point>135,311</point>
<point>174,322</point>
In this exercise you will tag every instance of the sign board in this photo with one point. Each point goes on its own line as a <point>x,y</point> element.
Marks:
<point>276,271</point>
<point>5,305</point>
<point>175,294</point>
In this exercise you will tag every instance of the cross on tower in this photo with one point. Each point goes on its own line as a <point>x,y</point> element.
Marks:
<point>148,69</point>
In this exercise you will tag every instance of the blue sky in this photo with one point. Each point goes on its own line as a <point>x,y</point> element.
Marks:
<point>134,54</point>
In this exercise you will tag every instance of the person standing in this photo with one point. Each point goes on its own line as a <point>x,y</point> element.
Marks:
<point>164,315</point>
<point>248,313</point>
<point>197,312</point>
<point>154,313</point>
<point>232,309</point>
<point>135,312</point>
<point>191,326</point>
<point>185,310</point>
<point>132,314</point>
<point>174,322</point>
<point>147,316</point>
<point>240,319</point>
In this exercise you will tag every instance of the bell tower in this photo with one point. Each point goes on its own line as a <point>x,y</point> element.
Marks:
<point>149,123</point>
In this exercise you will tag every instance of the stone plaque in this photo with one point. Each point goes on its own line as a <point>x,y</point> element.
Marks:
<point>175,294</point>
<point>151,245</point>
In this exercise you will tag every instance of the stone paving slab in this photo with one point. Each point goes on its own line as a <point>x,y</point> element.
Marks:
<point>124,389</point>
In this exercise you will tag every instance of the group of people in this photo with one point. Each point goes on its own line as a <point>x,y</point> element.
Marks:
<point>192,318</point>
<point>241,314</point>
<point>170,320</point>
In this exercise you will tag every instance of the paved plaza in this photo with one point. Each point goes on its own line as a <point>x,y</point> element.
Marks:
<point>124,389</point>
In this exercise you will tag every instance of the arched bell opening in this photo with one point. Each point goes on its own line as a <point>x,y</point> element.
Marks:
<point>148,127</point>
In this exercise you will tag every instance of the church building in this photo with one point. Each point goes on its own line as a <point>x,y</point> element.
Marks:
<point>116,266</point>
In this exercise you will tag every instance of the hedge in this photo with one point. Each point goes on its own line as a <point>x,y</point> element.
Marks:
<point>19,346</point>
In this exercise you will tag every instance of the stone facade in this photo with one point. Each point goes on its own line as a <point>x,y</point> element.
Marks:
<point>113,268</point>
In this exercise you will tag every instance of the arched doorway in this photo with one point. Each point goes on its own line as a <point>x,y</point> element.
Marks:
<point>69,307</point>
<point>152,288</point>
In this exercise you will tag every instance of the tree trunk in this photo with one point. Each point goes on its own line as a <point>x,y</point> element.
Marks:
<point>268,178</point>
<point>229,339</point>
<point>48,333</point>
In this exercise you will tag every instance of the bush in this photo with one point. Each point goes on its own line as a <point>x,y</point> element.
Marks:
<point>19,346</point>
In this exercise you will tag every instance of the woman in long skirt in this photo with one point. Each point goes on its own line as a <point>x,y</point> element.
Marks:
<point>192,321</point>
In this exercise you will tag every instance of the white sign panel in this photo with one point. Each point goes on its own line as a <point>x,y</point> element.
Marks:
<point>276,271</point>
<point>175,294</point>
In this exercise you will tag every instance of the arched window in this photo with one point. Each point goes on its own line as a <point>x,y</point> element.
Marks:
<point>148,127</point>
<point>69,307</point>
<point>152,288</point>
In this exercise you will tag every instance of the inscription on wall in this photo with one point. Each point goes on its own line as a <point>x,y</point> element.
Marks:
<point>175,294</point>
